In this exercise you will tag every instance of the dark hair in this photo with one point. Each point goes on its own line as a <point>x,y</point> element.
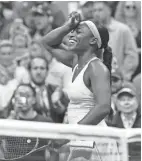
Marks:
<point>26,85</point>
<point>107,55</point>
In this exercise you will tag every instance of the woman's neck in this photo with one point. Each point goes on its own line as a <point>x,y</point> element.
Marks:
<point>83,59</point>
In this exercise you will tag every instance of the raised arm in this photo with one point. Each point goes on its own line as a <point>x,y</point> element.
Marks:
<point>53,41</point>
<point>100,86</point>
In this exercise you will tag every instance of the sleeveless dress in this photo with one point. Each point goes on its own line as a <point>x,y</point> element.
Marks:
<point>81,102</point>
<point>81,98</point>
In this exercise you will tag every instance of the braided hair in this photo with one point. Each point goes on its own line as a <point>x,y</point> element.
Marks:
<point>107,55</point>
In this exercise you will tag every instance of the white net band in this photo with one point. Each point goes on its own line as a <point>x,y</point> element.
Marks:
<point>62,131</point>
<point>19,138</point>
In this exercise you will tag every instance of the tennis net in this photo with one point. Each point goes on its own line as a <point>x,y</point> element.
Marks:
<point>36,141</point>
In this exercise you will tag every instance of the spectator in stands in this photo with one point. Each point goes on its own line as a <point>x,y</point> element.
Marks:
<point>7,57</point>
<point>23,103</point>
<point>12,27</point>
<point>19,35</point>
<point>121,39</point>
<point>137,84</point>
<point>128,115</point>
<point>8,85</point>
<point>117,82</point>
<point>116,85</point>
<point>20,41</point>
<point>21,10</point>
<point>41,20</point>
<point>22,63</point>
<point>18,27</point>
<point>7,10</point>
<point>38,69</point>
<point>57,16</point>
<point>56,71</point>
<point>6,50</point>
<point>8,89</point>
<point>35,49</point>
<point>4,78</point>
<point>2,19</point>
<point>59,77</point>
<point>86,8</point>
<point>6,17</point>
<point>129,12</point>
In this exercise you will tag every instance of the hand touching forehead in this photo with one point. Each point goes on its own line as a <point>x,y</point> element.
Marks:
<point>83,28</point>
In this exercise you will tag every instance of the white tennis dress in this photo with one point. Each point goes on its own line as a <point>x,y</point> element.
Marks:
<point>81,102</point>
<point>81,98</point>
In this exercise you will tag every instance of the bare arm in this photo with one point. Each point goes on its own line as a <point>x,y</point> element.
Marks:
<point>100,84</point>
<point>55,37</point>
<point>53,41</point>
<point>61,54</point>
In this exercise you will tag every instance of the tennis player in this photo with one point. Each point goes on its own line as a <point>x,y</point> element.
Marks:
<point>89,57</point>
<point>89,92</point>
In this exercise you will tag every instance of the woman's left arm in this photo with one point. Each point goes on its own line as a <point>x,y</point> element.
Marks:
<point>99,77</point>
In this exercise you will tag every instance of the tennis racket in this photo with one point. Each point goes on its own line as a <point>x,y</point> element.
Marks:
<point>13,148</point>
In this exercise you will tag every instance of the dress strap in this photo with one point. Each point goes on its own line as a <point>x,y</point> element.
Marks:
<point>74,68</point>
<point>94,58</point>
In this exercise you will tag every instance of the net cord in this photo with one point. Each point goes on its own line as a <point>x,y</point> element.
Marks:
<point>69,131</point>
<point>62,131</point>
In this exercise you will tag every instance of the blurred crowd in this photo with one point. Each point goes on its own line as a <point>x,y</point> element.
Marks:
<point>30,78</point>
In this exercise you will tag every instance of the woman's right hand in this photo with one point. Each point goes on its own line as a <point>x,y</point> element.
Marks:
<point>74,20</point>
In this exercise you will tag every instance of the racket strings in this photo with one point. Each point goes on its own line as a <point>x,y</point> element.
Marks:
<point>16,147</point>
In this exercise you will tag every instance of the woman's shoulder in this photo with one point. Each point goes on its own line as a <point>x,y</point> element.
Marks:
<point>97,67</point>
